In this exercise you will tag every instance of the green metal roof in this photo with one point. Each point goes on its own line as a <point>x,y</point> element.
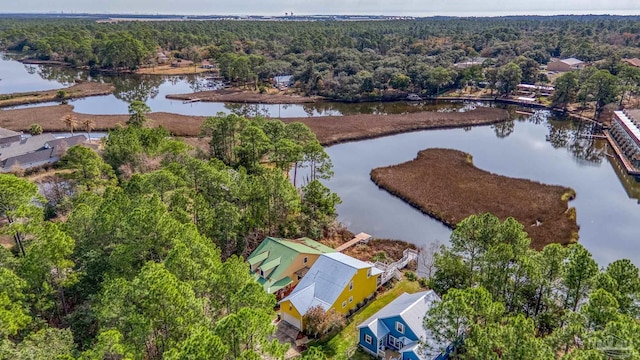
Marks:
<point>280,284</point>
<point>257,258</point>
<point>306,246</point>
<point>266,266</point>
<point>280,254</point>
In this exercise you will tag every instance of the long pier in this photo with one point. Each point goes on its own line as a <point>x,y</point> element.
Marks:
<point>360,238</point>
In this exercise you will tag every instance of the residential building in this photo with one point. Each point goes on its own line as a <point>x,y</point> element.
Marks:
<point>565,65</point>
<point>35,151</point>
<point>633,62</point>
<point>279,264</point>
<point>182,63</point>
<point>625,133</point>
<point>533,90</point>
<point>208,64</point>
<point>336,282</point>
<point>162,58</point>
<point>9,136</point>
<point>476,61</point>
<point>398,328</point>
<point>283,81</point>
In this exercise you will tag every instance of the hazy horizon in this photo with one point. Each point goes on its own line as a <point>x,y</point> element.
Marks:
<point>415,8</point>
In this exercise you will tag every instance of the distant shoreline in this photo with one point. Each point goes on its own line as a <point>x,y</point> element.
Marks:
<point>124,17</point>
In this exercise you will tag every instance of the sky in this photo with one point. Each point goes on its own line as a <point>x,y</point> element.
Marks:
<point>337,7</point>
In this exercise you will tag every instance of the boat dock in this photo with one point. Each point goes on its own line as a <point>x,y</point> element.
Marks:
<point>191,101</point>
<point>360,238</point>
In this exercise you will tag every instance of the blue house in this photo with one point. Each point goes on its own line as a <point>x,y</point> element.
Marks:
<point>398,328</point>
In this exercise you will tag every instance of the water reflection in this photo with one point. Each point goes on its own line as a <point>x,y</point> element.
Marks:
<point>132,88</point>
<point>538,147</point>
<point>578,137</point>
<point>630,184</point>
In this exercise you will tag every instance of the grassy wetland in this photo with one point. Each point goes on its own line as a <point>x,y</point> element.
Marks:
<point>445,184</point>
<point>329,129</point>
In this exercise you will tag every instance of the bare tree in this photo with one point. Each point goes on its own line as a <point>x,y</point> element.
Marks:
<point>426,259</point>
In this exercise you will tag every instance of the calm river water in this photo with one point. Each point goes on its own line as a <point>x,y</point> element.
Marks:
<point>536,147</point>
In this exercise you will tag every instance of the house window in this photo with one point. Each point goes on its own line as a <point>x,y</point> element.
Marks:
<point>392,341</point>
<point>350,299</point>
<point>400,327</point>
<point>344,304</point>
<point>351,286</point>
<point>261,273</point>
<point>305,260</point>
<point>369,273</point>
<point>368,339</point>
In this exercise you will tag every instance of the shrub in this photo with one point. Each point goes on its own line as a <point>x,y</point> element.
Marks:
<point>35,129</point>
<point>380,256</point>
<point>411,276</point>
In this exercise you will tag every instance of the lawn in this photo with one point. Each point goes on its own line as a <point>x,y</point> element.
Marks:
<point>346,340</point>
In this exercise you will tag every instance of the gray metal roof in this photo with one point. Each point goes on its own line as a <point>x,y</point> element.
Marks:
<point>324,281</point>
<point>29,160</point>
<point>24,146</point>
<point>67,141</point>
<point>36,150</point>
<point>5,133</point>
<point>348,260</point>
<point>412,309</point>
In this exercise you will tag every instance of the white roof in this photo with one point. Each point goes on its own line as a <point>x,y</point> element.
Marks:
<point>325,281</point>
<point>412,309</point>
<point>572,61</point>
<point>536,87</point>
<point>635,131</point>
<point>348,260</point>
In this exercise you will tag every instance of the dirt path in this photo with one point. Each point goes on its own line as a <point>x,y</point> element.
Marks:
<point>445,184</point>
<point>329,129</point>
<point>81,90</point>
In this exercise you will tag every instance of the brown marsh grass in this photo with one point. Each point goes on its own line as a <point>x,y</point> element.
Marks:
<point>329,129</point>
<point>80,90</point>
<point>445,184</point>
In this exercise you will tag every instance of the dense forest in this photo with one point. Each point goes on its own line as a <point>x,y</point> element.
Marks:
<point>503,300</point>
<point>340,60</point>
<point>137,253</point>
<point>134,248</point>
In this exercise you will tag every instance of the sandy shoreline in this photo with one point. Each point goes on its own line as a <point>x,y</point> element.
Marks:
<point>329,129</point>
<point>445,185</point>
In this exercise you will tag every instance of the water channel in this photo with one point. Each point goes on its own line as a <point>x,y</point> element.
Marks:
<point>538,147</point>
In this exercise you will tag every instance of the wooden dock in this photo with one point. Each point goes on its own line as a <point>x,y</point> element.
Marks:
<point>628,166</point>
<point>360,238</point>
<point>191,101</point>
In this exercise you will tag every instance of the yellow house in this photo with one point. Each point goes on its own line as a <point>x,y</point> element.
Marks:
<point>335,282</point>
<point>279,264</point>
